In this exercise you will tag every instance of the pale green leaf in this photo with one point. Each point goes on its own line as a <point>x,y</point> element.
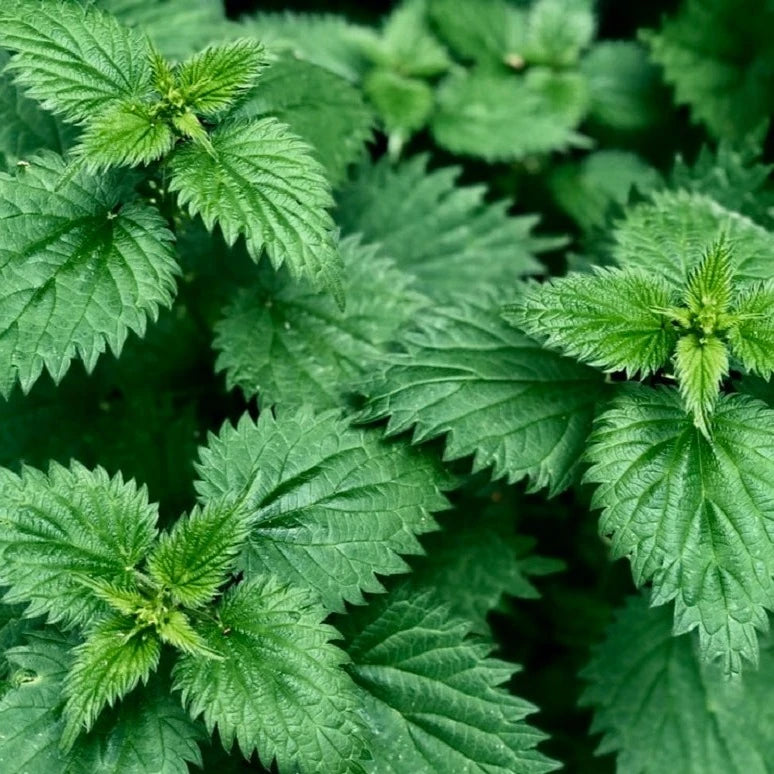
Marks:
<point>701,364</point>
<point>489,32</point>
<point>610,318</point>
<point>79,268</point>
<point>192,560</point>
<point>432,695</point>
<point>129,134</point>
<point>330,505</point>
<point>70,523</point>
<point>661,710</point>
<point>114,658</point>
<point>751,336</point>
<point>213,79</point>
<point>493,393</point>
<point>289,345</point>
<point>279,687</point>
<point>404,104</point>
<point>72,58</point>
<point>260,181</point>
<point>694,516</point>
<point>557,31</point>
<point>446,235</point>
<point>507,117</point>
<point>669,236</point>
<point>407,45</point>
<point>320,107</point>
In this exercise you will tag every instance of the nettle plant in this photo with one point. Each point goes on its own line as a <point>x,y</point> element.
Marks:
<point>310,552</point>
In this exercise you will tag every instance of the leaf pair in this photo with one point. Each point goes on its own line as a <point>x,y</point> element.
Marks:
<point>303,498</point>
<point>632,321</point>
<point>84,263</point>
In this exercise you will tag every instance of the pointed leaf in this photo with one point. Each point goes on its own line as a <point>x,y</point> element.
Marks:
<point>279,687</point>
<point>670,234</point>
<point>79,269</point>
<point>432,696</point>
<point>260,181</point>
<point>193,558</point>
<point>610,319</point>
<point>112,661</point>
<point>507,117</point>
<point>213,79</point>
<point>330,505</point>
<point>493,392</point>
<point>709,284</point>
<point>447,235</point>
<point>74,59</point>
<point>71,523</point>
<point>701,364</point>
<point>320,107</point>
<point>694,516</point>
<point>661,710</point>
<point>290,345</point>
<point>751,337</point>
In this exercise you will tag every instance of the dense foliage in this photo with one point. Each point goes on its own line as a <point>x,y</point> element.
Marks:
<point>418,317</point>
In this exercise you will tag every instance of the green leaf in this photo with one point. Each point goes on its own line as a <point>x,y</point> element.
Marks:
<point>708,292</point>
<point>404,104</point>
<point>625,89</point>
<point>718,57</point>
<point>330,505</point>
<point>692,514</point>
<point>260,181</point>
<point>733,175</point>
<point>472,563</point>
<point>148,732</point>
<point>661,710</point>
<point>431,694</point>
<point>489,32</point>
<point>79,269</point>
<point>448,236</point>
<point>26,128</point>
<point>290,345</point>
<point>406,44</point>
<point>213,79</point>
<point>70,523</point>
<point>669,235</point>
<point>508,117</point>
<point>129,134</point>
<point>326,40</point>
<point>701,364</point>
<point>72,58</point>
<point>30,724</point>
<point>279,687</point>
<point>557,31</point>
<point>320,107</point>
<point>751,337</point>
<point>589,189</point>
<point>611,319</point>
<point>494,394</point>
<point>176,27</point>
<point>193,558</point>
<point>112,661</point>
